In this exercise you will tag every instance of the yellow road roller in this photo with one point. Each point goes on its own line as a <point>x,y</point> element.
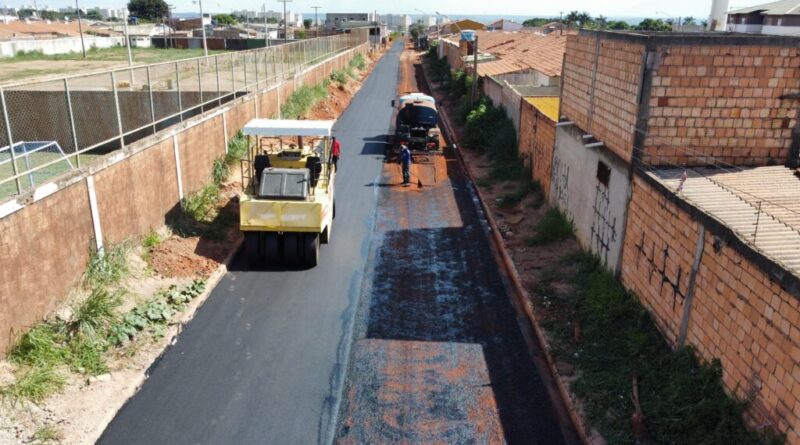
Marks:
<point>287,205</point>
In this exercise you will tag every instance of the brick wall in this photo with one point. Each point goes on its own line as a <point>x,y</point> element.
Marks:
<point>702,96</point>
<point>739,315</point>
<point>537,138</point>
<point>46,235</point>
<point>722,101</point>
<point>600,94</point>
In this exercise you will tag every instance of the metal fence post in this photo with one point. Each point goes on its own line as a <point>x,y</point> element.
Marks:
<point>119,115</point>
<point>178,86</point>
<point>244,68</point>
<point>72,123</point>
<point>233,77</point>
<point>266,70</point>
<point>200,84</point>
<point>152,102</point>
<point>10,140</point>
<point>219,90</point>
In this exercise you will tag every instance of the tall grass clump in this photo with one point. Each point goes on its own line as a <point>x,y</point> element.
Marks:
<point>198,205</point>
<point>303,99</point>
<point>358,62</point>
<point>107,268</point>
<point>554,226</point>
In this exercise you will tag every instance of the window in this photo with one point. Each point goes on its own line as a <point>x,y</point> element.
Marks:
<point>603,173</point>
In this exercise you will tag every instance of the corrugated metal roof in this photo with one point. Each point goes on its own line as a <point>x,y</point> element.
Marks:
<point>761,204</point>
<point>547,105</point>
<point>783,7</point>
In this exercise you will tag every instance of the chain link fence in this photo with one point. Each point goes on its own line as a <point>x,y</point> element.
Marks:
<point>93,114</point>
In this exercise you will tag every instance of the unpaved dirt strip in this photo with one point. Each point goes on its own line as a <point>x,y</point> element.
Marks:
<point>439,357</point>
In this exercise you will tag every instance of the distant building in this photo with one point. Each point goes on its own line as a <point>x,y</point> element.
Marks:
<point>292,18</point>
<point>336,20</point>
<point>396,22</point>
<point>504,25</point>
<point>110,13</point>
<point>776,18</point>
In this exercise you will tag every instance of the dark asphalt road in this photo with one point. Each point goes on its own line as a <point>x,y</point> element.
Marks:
<point>263,360</point>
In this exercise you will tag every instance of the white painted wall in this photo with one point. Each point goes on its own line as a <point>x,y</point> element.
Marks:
<point>597,211</point>
<point>58,46</point>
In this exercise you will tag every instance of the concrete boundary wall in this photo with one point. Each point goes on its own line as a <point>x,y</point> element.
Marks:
<point>58,46</point>
<point>46,234</point>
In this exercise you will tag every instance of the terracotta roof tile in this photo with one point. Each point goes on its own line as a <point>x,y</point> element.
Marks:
<point>517,51</point>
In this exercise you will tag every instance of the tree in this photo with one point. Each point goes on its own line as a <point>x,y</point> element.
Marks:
<point>619,25</point>
<point>538,21</point>
<point>653,25</point>
<point>416,29</point>
<point>689,21</point>
<point>224,19</point>
<point>578,19</point>
<point>601,22</point>
<point>307,23</point>
<point>299,34</point>
<point>93,14</point>
<point>149,10</point>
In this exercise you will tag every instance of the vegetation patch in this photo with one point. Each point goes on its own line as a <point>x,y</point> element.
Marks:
<point>303,99</point>
<point>554,226</point>
<point>604,332</point>
<point>107,267</point>
<point>340,77</point>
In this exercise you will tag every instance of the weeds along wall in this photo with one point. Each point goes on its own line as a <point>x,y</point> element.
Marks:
<point>46,234</point>
<point>537,139</point>
<point>708,289</point>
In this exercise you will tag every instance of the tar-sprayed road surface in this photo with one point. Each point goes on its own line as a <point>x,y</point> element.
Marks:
<point>403,334</point>
<point>438,355</point>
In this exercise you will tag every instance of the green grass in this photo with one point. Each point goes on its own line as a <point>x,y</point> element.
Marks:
<point>151,240</point>
<point>117,53</point>
<point>40,176</point>
<point>47,434</point>
<point>34,384</point>
<point>683,401</point>
<point>198,205</point>
<point>237,148</point>
<point>554,226</point>
<point>340,77</point>
<point>298,104</point>
<point>358,62</point>
<point>108,268</point>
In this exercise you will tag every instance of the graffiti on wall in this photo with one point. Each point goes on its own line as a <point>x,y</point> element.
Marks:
<point>560,182</point>
<point>657,265</point>
<point>604,224</point>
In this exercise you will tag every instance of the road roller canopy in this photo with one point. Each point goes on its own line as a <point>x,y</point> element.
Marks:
<point>286,127</point>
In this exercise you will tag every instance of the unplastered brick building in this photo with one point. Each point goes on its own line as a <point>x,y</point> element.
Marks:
<point>676,158</point>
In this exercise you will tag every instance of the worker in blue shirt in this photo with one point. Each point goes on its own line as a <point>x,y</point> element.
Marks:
<point>405,162</point>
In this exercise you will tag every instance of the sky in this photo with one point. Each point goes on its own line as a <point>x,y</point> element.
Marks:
<point>533,8</point>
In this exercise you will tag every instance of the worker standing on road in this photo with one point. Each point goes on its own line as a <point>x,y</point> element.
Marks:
<point>405,162</point>
<point>336,150</point>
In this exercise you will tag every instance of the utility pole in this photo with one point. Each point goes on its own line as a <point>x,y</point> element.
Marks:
<point>203,27</point>
<point>266,29</point>
<point>561,22</point>
<point>316,22</point>
<point>128,44</point>
<point>474,70</point>
<point>285,23</point>
<point>80,27</point>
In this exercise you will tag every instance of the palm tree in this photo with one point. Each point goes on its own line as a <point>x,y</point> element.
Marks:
<point>584,19</point>
<point>601,22</point>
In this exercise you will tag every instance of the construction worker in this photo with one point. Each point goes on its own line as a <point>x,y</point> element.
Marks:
<point>405,162</point>
<point>336,150</point>
<point>260,163</point>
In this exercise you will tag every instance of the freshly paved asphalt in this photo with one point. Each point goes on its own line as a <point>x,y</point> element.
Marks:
<point>263,361</point>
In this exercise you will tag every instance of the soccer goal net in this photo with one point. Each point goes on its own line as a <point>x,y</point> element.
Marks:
<point>28,156</point>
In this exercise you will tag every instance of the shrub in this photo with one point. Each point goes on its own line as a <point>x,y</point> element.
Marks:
<point>358,62</point>
<point>198,205</point>
<point>107,268</point>
<point>237,148</point>
<point>554,226</point>
<point>219,170</point>
<point>302,100</point>
<point>339,76</point>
